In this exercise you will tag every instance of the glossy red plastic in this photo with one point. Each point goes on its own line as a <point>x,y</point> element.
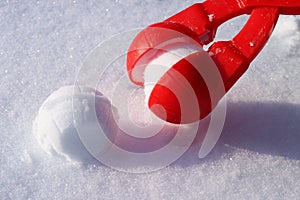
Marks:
<point>200,22</point>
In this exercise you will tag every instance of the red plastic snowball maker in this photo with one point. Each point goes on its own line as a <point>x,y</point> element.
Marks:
<point>200,22</point>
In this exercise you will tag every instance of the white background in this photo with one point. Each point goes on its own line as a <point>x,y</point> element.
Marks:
<point>42,46</point>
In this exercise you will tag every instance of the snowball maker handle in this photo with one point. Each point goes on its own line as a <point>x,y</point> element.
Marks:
<point>200,22</point>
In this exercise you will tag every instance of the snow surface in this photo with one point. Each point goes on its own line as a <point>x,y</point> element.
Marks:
<point>44,43</point>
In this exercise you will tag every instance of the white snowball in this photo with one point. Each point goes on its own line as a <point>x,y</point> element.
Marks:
<point>56,123</point>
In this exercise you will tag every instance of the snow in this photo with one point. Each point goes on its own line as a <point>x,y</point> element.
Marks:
<point>66,111</point>
<point>43,45</point>
<point>211,17</point>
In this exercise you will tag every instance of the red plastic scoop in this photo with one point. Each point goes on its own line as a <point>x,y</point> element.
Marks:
<point>183,36</point>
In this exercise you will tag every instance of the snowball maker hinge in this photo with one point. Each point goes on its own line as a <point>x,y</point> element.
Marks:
<point>200,22</point>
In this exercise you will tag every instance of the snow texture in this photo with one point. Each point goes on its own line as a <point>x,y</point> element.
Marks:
<point>43,44</point>
<point>65,112</point>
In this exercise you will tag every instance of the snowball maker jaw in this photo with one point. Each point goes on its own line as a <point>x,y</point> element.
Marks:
<point>197,26</point>
<point>188,91</point>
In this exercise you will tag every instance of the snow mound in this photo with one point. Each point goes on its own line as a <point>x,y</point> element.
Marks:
<point>60,116</point>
